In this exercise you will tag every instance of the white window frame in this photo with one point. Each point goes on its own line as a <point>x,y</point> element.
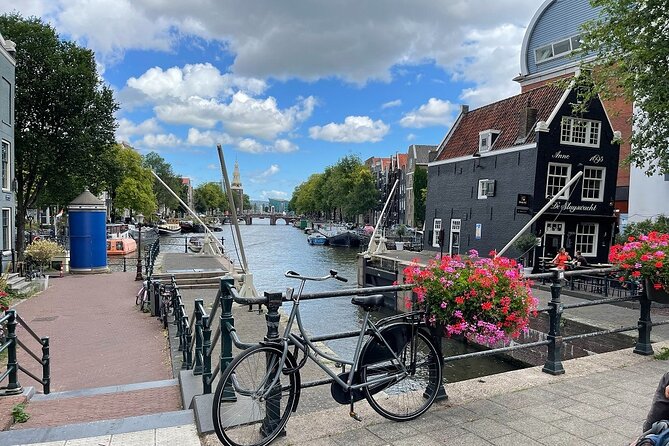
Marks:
<point>484,189</point>
<point>565,195</point>
<point>574,43</point>
<point>456,226</point>
<point>436,227</point>
<point>589,133</point>
<point>6,179</point>
<point>487,136</point>
<point>578,245</point>
<point>601,184</point>
<point>7,242</point>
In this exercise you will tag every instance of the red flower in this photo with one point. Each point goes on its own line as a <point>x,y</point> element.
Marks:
<point>459,300</point>
<point>636,273</point>
<point>486,305</point>
<point>630,239</point>
<point>657,286</point>
<point>658,264</point>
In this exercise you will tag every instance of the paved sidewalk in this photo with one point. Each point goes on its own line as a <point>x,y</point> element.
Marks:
<point>168,436</point>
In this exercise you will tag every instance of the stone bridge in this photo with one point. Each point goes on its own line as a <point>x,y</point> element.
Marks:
<point>273,218</point>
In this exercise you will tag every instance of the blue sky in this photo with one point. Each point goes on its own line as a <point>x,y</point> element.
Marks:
<point>289,87</point>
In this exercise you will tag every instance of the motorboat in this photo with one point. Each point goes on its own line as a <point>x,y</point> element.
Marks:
<point>341,236</point>
<point>149,233</point>
<point>195,244</point>
<point>119,241</point>
<point>317,239</point>
<point>168,228</point>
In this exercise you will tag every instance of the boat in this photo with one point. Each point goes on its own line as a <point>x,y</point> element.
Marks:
<point>165,228</point>
<point>195,244</point>
<point>119,241</point>
<point>341,236</point>
<point>317,239</point>
<point>149,233</point>
<point>186,226</point>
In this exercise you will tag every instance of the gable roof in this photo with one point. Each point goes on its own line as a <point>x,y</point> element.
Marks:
<point>421,153</point>
<point>504,116</point>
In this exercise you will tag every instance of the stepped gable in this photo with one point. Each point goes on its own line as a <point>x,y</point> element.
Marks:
<point>504,116</point>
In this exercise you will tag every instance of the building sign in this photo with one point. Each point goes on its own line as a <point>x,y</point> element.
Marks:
<point>571,208</point>
<point>560,156</point>
<point>597,159</point>
<point>478,231</point>
<point>523,200</point>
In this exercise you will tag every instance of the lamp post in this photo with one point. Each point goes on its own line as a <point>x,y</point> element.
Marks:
<point>30,229</point>
<point>140,220</point>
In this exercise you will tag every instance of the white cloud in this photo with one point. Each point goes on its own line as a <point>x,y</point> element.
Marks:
<point>389,104</point>
<point>207,138</point>
<point>411,137</point>
<point>159,140</point>
<point>353,129</point>
<point>275,194</point>
<point>435,113</point>
<point>272,170</point>
<point>250,145</point>
<point>213,166</point>
<point>348,39</point>
<point>126,128</point>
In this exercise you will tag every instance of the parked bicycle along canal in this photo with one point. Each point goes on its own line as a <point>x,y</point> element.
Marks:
<point>273,250</point>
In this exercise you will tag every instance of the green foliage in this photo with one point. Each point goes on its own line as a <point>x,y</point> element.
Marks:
<point>659,224</point>
<point>135,188</point>
<point>631,44</point>
<point>524,243</point>
<point>163,169</point>
<point>64,117</point>
<point>343,190</point>
<point>43,251</point>
<point>19,414</point>
<point>209,197</point>
<point>663,355</point>
<point>420,186</point>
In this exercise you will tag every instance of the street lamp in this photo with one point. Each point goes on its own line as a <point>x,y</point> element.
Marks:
<point>140,220</point>
<point>30,229</point>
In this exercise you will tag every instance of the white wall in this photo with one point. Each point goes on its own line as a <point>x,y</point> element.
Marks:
<point>649,196</point>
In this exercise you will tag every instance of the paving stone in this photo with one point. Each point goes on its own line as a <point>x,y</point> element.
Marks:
<point>91,441</point>
<point>531,427</point>
<point>515,438</point>
<point>579,427</point>
<point>393,431</point>
<point>141,438</point>
<point>417,440</point>
<point>595,399</point>
<point>358,437</point>
<point>447,434</point>
<point>177,436</point>
<point>487,428</point>
<point>587,412</point>
<point>565,439</point>
<point>621,426</point>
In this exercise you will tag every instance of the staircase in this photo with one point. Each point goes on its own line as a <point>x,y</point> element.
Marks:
<point>19,284</point>
<point>193,280</point>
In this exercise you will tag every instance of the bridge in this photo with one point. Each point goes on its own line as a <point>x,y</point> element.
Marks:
<point>273,218</point>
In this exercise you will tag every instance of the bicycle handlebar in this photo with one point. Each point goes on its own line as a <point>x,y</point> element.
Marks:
<point>333,274</point>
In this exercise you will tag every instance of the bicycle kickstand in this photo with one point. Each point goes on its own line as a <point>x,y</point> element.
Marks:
<point>352,413</point>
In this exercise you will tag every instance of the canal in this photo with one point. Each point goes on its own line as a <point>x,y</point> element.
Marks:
<point>273,250</point>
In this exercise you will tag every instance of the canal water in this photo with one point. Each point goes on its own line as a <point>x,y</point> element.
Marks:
<point>273,250</point>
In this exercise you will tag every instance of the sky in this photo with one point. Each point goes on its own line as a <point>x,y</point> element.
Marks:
<point>289,87</point>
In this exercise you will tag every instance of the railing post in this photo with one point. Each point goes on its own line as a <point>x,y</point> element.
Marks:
<point>273,402</point>
<point>197,368</point>
<point>188,339</point>
<point>553,364</point>
<point>179,309</point>
<point>226,318</point>
<point>643,345</point>
<point>46,365</point>
<point>14,386</point>
<point>206,357</point>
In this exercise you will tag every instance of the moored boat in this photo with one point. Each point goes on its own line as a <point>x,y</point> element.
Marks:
<point>119,241</point>
<point>168,228</point>
<point>149,233</point>
<point>317,239</point>
<point>195,244</point>
<point>341,236</point>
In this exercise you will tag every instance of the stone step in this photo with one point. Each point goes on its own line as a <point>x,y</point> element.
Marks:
<point>154,426</point>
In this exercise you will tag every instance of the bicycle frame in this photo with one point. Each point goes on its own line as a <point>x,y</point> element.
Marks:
<point>305,343</point>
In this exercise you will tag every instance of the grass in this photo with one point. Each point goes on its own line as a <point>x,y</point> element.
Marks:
<point>19,414</point>
<point>663,355</point>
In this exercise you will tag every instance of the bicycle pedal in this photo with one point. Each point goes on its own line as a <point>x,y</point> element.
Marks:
<point>354,415</point>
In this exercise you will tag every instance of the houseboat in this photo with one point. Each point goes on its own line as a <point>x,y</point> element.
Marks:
<point>119,241</point>
<point>165,228</point>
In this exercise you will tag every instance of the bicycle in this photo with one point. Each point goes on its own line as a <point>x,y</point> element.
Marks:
<point>395,367</point>
<point>165,291</point>
<point>142,297</point>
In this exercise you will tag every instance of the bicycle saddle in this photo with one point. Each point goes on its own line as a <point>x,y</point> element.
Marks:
<point>368,303</point>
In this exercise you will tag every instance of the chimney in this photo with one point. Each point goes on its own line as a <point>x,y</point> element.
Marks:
<point>528,117</point>
<point>464,109</point>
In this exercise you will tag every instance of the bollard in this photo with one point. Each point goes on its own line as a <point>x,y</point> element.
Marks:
<point>643,345</point>
<point>14,386</point>
<point>46,366</point>
<point>226,283</point>
<point>206,364</point>
<point>188,339</point>
<point>179,309</point>
<point>124,265</point>
<point>273,403</point>
<point>553,365</point>
<point>197,368</point>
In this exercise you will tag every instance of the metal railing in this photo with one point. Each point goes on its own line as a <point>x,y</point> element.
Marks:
<point>11,320</point>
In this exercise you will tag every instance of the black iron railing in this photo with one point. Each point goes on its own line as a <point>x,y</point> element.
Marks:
<point>10,343</point>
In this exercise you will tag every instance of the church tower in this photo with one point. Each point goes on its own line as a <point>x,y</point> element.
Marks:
<point>237,189</point>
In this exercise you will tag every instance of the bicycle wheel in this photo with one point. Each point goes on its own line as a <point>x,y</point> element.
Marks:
<point>139,296</point>
<point>246,411</point>
<point>405,397</point>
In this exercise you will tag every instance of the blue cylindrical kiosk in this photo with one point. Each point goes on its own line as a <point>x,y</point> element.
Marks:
<point>87,218</point>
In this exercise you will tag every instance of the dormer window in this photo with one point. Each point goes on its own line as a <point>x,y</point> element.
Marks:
<point>487,139</point>
<point>557,49</point>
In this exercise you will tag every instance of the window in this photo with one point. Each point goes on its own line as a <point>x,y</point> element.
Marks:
<point>558,176</point>
<point>487,139</point>
<point>557,49</point>
<point>580,132</point>
<point>586,238</point>
<point>6,108</point>
<point>6,229</point>
<point>435,233</point>
<point>593,184</point>
<point>486,189</point>
<point>454,246</point>
<point>5,165</point>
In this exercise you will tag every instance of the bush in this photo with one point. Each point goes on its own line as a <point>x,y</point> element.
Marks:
<point>42,251</point>
<point>659,224</point>
<point>523,244</point>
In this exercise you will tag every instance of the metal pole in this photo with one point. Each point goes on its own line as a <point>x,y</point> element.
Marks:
<point>226,338</point>
<point>206,358</point>
<point>14,386</point>
<point>139,253</point>
<point>553,365</point>
<point>643,345</point>
<point>46,366</point>
<point>540,213</point>
<point>233,210</point>
<point>197,368</point>
<point>378,222</point>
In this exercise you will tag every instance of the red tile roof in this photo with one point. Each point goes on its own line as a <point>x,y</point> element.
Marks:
<point>402,159</point>
<point>504,116</point>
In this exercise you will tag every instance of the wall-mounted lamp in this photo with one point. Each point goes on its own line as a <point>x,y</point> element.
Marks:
<point>477,155</point>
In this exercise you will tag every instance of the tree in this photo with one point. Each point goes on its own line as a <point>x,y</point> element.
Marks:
<point>209,197</point>
<point>659,224</point>
<point>163,169</point>
<point>135,188</point>
<point>64,118</point>
<point>419,184</point>
<point>631,45</point>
